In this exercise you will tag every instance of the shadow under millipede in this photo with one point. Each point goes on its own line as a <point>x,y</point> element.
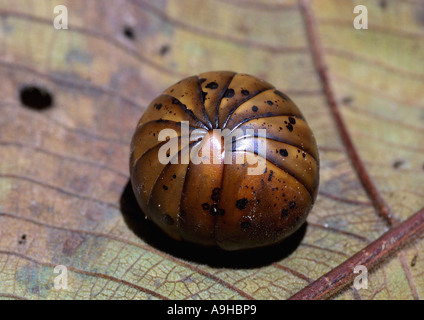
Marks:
<point>214,256</point>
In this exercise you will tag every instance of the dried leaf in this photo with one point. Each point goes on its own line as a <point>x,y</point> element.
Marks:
<point>71,100</point>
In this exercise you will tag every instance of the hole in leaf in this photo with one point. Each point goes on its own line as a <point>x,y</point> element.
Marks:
<point>129,32</point>
<point>34,97</point>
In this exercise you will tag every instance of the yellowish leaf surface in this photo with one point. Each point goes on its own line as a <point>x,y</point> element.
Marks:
<point>64,193</point>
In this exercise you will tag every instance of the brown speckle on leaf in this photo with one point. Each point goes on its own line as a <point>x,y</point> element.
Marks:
<point>22,240</point>
<point>397,164</point>
<point>414,261</point>
<point>72,243</point>
<point>164,49</point>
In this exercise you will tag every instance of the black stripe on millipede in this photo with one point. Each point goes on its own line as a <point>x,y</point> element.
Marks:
<point>202,100</point>
<point>220,97</point>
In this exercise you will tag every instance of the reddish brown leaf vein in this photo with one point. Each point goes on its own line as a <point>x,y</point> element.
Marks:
<point>358,165</point>
<point>370,256</point>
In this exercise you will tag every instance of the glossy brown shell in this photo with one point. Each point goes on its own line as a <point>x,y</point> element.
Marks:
<point>220,204</point>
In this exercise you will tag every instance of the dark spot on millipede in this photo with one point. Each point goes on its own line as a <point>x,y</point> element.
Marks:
<point>174,176</point>
<point>241,203</point>
<point>205,206</point>
<point>212,85</point>
<point>284,213</point>
<point>229,93</point>
<point>35,98</point>
<point>292,204</point>
<point>216,211</point>
<point>292,120</point>
<point>164,49</point>
<point>158,106</point>
<point>270,175</point>
<point>213,210</point>
<point>254,108</point>
<point>168,219</point>
<point>201,80</point>
<point>245,92</point>
<point>284,152</point>
<point>129,32</point>
<point>165,187</point>
<point>282,95</point>
<point>398,163</point>
<point>290,127</point>
<point>270,102</point>
<point>304,154</point>
<point>204,94</point>
<point>216,194</point>
<point>245,225</point>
